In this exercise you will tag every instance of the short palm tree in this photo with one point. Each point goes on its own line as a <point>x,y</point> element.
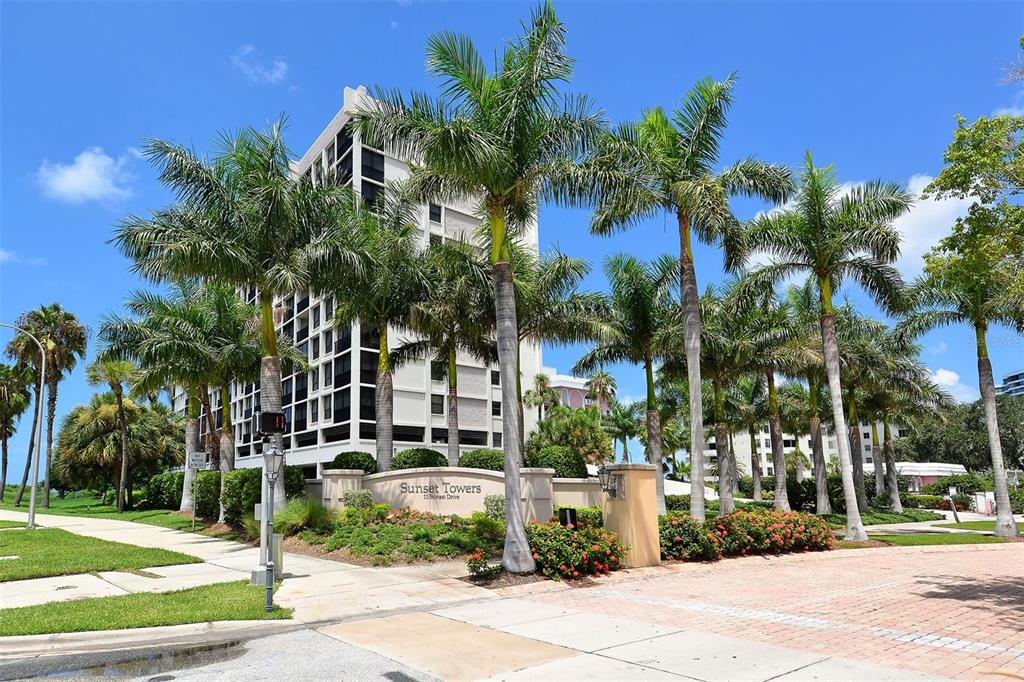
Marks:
<point>15,398</point>
<point>498,139</point>
<point>834,237</point>
<point>542,395</point>
<point>621,424</point>
<point>64,339</point>
<point>118,375</point>
<point>968,280</point>
<point>794,404</point>
<point>749,394</point>
<point>639,315</point>
<point>667,164</point>
<point>455,316</point>
<point>242,220</point>
<point>391,278</point>
<point>601,388</point>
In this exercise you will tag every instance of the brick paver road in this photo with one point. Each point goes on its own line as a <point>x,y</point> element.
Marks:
<point>953,611</point>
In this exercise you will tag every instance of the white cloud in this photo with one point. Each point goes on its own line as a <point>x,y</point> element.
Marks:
<point>1009,111</point>
<point>950,380</point>
<point>927,222</point>
<point>92,176</point>
<point>394,24</point>
<point>939,348</point>
<point>248,62</point>
<point>13,257</point>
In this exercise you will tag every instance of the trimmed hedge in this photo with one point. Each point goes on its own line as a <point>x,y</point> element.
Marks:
<point>565,462</point>
<point>562,552</point>
<point>494,506</point>
<point>164,490</point>
<point>920,501</point>
<point>759,531</point>
<point>416,458</point>
<point>243,487</point>
<point>966,484</point>
<point>484,458</point>
<point>355,460</point>
<point>357,499</point>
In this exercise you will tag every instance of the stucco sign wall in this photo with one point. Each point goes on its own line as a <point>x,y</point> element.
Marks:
<point>451,490</point>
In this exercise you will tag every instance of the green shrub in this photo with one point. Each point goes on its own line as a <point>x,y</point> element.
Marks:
<point>416,458</point>
<point>566,462</point>
<point>207,494</point>
<point>243,489</point>
<point>494,506</point>
<point>484,458</point>
<point>562,552</point>
<point>1017,500</point>
<point>357,499</point>
<point>355,460</point>
<point>480,567</point>
<point>491,531</point>
<point>920,501</point>
<point>164,490</point>
<point>684,538</point>
<point>966,484</point>
<point>586,516</point>
<point>963,501</point>
<point>302,513</point>
<point>677,503</point>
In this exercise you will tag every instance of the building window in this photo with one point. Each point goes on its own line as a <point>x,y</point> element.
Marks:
<point>342,405</point>
<point>325,406</point>
<point>328,375</point>
<point>368,403</point>
<point>437,370</point>
<point>329,309</point>
<point>564,396</point>
<point>343,141</point>
<point>435,213</point>
<point>371,194</point>
<point>373,165</point>
<point>437,404</point>
<point>496,408</point>
<point>315,345</point>
<point>316,317</point>
<point>314,380</point>
<point>368,361</point>
<point>496,439</point>
<point>495,378</point>
<point>314,411</point>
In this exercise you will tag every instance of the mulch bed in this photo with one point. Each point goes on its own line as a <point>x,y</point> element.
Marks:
<point>505,579</point>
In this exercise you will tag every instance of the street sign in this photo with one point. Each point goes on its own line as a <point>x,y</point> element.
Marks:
<point>196,460</point>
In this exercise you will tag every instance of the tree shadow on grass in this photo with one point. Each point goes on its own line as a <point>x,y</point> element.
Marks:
<point>999,598</point>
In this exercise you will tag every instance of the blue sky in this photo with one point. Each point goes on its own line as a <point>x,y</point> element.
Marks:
<point>871,87</point>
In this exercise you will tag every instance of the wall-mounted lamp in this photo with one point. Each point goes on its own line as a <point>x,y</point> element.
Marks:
<point>611,483</point>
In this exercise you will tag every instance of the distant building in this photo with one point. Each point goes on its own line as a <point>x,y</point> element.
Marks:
<point>572,391</point>
<point>1013,384</point>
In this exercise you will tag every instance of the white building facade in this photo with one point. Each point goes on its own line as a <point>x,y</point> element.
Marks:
<point>331,407</point>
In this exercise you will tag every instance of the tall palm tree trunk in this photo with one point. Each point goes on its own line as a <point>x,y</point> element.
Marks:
<point>798,461</point>
<point>822,505</point>
<point>892,480</point>
<point>519,399</point>
<point>691,339</point>
<point>516,557</point>
<point>654,438</point>
<point>385,406</point>
<point>191,445</point>
<point>857,453</point>
<point>726,502</point>
<point>31,446</point>
<point>123,426</point>
<point>830,349</point>
<point>755,463</point>
<point>51,411</point>
<point>227,446</point>
<point>778,453</point>
<point>734,467</point>
<point>212,440</point>
<point>877,455</point>
<point>1005,525</point>
<point>625,449</point>
<point>453,410</point>
<point>3,468</point>
<point>270,379</point>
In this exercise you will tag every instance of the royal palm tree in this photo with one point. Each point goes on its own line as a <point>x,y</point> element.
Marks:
<point>380,293</point>
<point>601,388</point>
<point>64,339</point>
<point>241,220</point>
<point>749,395</point>
<point>15,398</point>
<point>639,315</point>
<point>542,395</point>
<point>968,280</point>
<point>117,374</point>
<point>667,164</point>
<point>455,316</point>
<point>621,424</point>
<point>795,406</point>
<point>834,237</point>
<point>501,140</point>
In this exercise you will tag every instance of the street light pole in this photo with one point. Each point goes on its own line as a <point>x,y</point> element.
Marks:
<point>39,423</point>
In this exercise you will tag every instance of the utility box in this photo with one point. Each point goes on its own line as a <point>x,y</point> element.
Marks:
<point>633,513</point>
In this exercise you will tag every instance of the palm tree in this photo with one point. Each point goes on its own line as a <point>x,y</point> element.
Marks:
<point>639,315</point>
<point>453,317</point>
<point>967,280</point>
<point>621,424</point>
<point>749,395</point>
<point>116,374</point>
<point>541,396</point>
<point>601,387</point>
<point>834,237</point>
<point>380,293</point>
<point>500,140</point>
<point>64,339</point>
<point>667,164</point>
<point>241,220</point>
<point>15,398</point>
<point>795,406</point>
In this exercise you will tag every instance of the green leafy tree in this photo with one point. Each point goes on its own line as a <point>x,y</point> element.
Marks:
<point>498,138</point>
<point>15,399</point>
<point>666,164</point>
<point>578,429</point>
<point>968,280</point>
<point>985,160</point>
<point>835,237</point>
<point>118,375</point>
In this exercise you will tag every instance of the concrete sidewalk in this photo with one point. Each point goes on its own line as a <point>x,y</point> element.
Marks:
<point>910,528</point>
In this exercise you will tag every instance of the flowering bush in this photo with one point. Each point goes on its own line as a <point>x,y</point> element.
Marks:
<point>685,538</point>
<point>480,567</point>
<point>963,503</point>
<point>566,552</point>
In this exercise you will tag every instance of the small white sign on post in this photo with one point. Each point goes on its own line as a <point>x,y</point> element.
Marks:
<point>196,460</point>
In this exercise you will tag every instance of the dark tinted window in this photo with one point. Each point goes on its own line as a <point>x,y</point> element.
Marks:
<point>373,165</point>
<point>435,213</point>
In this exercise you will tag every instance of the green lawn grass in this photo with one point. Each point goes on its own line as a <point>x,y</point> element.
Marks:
<point>977,525</point>
<point>873,517</point>
<point>12,524</point>
<point>51,551</point>
<point>223,601</point>
<point>918,539</point>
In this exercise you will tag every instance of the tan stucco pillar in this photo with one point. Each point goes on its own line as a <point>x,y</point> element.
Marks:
<point>538,494</point>
<point>336,482</point>
<point>633,514</point>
